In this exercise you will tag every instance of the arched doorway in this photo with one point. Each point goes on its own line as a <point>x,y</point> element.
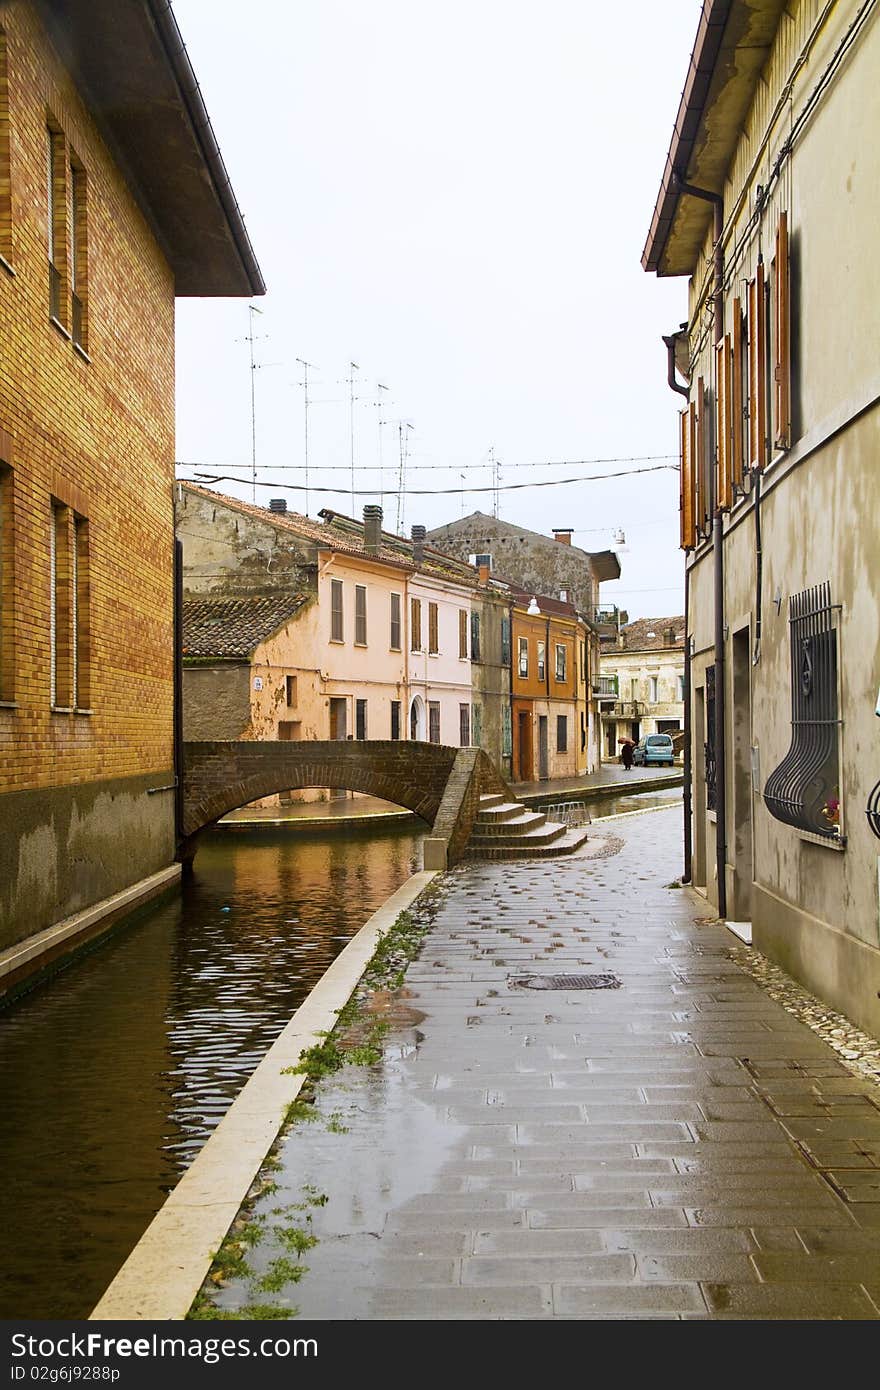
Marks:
<point>417,728</point>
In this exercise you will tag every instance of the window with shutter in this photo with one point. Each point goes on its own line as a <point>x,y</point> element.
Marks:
<point>700,462</point>
<point>360,615</point>
<point>395,622</point>
<point>336,626</point>
<point>781,339</point>
<point>737,371</point>
<point>433,629</point>
<point>475,637</point>
<point>686,481</point>
<point>415,624</point>
<point>462,632</point>
<point>723,433</point>
<point>757,371</point>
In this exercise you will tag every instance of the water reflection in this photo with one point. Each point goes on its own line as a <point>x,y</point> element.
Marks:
<point>114,1073</point>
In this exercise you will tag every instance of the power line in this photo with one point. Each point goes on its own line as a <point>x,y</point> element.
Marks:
<point>436,467</point>
<point>442,491</point>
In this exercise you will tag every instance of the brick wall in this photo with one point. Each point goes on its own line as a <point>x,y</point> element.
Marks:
<point>96,434</point>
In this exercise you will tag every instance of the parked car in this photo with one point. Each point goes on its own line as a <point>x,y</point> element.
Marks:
<point>654,748</point>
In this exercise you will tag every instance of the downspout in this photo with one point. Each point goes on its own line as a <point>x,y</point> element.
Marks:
<point>717,202</point>
<point>178,690</point>
<point>687,848</point>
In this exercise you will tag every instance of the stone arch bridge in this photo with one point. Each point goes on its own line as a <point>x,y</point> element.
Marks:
<point>443,785</point>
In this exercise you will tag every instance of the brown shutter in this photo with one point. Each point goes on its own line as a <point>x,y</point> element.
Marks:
<point>724,479</point>
<point>736,396</point>
<point>757,372</point>
<point>686,499</point>
<point>781,339</point>
<point>699,445</point>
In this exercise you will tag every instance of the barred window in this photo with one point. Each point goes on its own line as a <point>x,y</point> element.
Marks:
<point>505,639</point>
<point>475,637</point>
<point>464,725</point>
<point>804,790</point>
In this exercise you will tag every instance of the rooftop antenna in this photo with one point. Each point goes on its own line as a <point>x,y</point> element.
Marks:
<point>307,367</point>
<point>352,368</point>
<point>496,479</point>
<point>403,428</point>
<point>380,387</point>
<point>252,309</point>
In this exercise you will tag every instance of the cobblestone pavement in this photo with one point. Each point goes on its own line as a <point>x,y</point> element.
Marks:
<point>677,1147</point>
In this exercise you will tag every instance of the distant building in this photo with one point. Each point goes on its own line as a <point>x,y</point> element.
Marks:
<point>381,642</point>
<point>769,205</point>
<point>544,566</point>
<point>549,689</point>
<point>641,685</point>
<point>113,200</point>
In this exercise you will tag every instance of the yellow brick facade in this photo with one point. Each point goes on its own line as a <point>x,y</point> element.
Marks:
<point>96,434</point>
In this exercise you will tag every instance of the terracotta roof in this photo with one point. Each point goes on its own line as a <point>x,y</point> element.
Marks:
<point>233,627</point>
<point>546,603</point>
<point>346,536</point>
<point>650,634</point>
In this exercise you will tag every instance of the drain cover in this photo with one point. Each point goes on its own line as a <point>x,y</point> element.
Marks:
<point>568,982</point>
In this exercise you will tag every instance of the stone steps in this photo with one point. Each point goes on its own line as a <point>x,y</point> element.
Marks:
<point>505,829</point>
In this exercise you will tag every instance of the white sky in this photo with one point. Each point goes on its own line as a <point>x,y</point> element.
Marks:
<point>456,197</point>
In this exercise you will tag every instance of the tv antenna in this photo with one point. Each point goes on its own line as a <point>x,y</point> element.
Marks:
<point>403,429</point>
<point>307,367</point>
<point>380,387</point>
<point>252,309</point>
<point>496,479</point>
<point>352,368</point>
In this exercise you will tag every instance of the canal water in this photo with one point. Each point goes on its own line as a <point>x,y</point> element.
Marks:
<point>113,1074</point>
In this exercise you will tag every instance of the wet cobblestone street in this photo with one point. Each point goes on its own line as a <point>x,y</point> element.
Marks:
<point>681,1146</point>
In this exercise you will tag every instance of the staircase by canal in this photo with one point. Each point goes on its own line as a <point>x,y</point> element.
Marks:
<point>506,829</point>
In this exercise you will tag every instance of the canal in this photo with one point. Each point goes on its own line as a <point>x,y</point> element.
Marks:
<point>113,1074</point>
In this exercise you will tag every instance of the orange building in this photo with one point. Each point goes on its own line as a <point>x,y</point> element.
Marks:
<point>548,689</point>
<point>113,200</point>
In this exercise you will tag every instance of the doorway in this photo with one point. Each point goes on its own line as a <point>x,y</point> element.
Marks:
<point>338,717</point>
<point>698,765</point>
<point>743,871</point>
<point>338,730</point>
<point>417,719</point>
<point>543,748</point>
<point>524,745</point>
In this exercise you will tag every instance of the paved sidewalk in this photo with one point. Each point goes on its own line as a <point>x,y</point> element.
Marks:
<point>677,1147</point>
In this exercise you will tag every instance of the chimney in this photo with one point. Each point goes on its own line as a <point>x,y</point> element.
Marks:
<point>278,504</point>
<point>372,529</point>
<point>670,637</point>
<point>563,596</point>
<point>483,571</point>
<point>418,544</point>
<point>562,534</point>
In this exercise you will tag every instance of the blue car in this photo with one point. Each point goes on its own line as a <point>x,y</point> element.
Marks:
<point>654,748</point>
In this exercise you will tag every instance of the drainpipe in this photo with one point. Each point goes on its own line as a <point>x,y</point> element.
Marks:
<point>687,771</point>
<point>178,690</point>
<point>717,202</point>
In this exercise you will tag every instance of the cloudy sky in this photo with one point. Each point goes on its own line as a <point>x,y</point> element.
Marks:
<point>455,198</point>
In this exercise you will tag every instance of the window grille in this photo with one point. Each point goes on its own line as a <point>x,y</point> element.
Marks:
<point>464,725</point>
<point>475,637</point>
<point>709,747</point>
<point>505,639</point>
<point>804,790</point>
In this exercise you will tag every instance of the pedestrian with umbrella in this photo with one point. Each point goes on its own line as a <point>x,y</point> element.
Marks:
<point>626,752</point>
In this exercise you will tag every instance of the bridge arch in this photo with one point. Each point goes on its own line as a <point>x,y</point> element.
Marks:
<point>220,777</point>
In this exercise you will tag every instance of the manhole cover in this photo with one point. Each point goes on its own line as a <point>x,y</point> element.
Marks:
<point>568,982</point>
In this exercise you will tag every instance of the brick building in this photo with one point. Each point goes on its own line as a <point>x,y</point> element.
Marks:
<point>113,199</point>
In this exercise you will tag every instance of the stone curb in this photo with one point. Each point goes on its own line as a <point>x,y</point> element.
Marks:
<point>167,1267</point>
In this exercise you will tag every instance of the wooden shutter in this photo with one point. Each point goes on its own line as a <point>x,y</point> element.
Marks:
<point>724,476</point>
<point>781,339</point>
<point>736,396</point>
<point>699,445</point>
<point>757,371</point>
<point>686,501</point>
